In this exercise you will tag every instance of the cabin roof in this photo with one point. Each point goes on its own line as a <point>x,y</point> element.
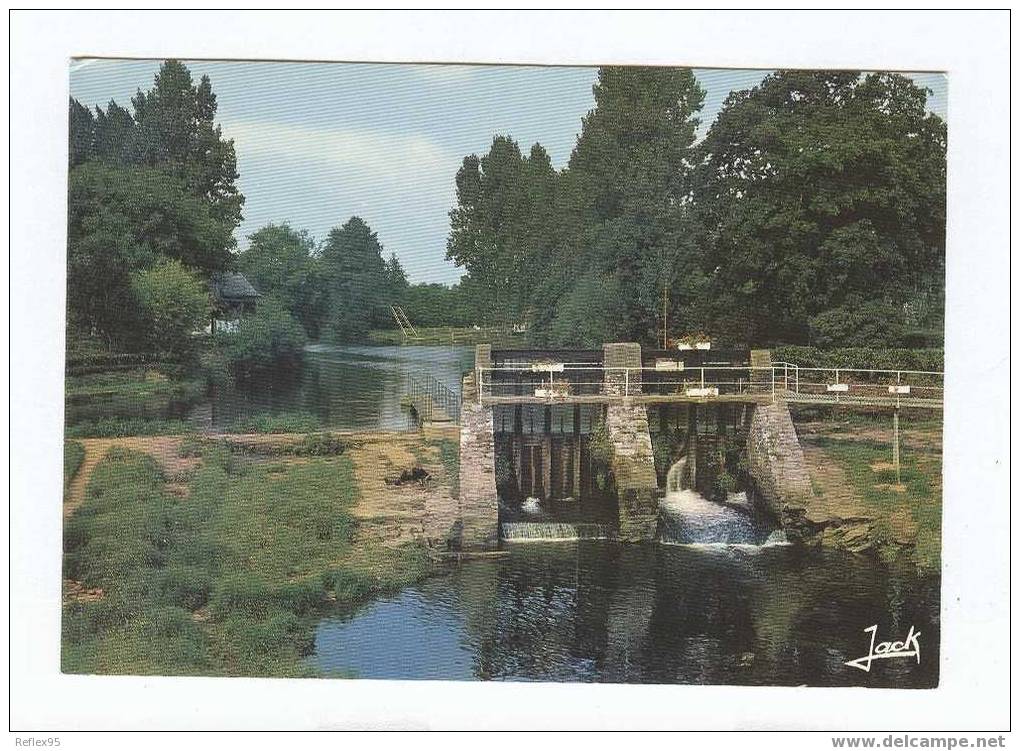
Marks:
<point>230,286</point>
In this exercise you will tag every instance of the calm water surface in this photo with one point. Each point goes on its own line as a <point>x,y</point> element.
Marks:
<point>345,388</point>
<point>655,613</point>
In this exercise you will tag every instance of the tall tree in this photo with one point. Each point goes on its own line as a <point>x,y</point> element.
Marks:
<point>820,192</point>
<point>114,134</point>
<point>176,129</point>
<point>281,262</point>
<point>159,183</point>
<point>395,281</point>
<point>163,217</point>
<point>628,184</point>
<point>354,275</point>
<point>81,134</point>
<point>502,225</point>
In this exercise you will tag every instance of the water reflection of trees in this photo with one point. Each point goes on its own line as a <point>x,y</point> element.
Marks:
<point>647,613</point>
<point>355,388</point>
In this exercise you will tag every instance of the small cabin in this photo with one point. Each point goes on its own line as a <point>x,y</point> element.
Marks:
<point>233,297</point>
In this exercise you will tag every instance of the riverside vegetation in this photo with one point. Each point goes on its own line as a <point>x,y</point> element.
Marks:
<point>222,569</point>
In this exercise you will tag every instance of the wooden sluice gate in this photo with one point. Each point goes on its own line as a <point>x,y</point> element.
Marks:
<point>534,421</point>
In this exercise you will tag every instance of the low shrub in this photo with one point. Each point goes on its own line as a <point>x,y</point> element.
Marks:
<point>302,596</point>
<point>320,444</point>
<point>241,594</point>
<point>119,427</point>
<point>123,524</point>
<point>283,422</point>
<point>270,341</point>
<point>348,585</point>
<point>163,621</point>
<point>186,586</point>
<point>861,357</point>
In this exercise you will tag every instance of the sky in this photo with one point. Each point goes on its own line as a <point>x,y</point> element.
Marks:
<point>317,143</point>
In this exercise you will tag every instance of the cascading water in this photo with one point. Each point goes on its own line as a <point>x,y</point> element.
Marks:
<point>544,531</point>
<point>688,518</point>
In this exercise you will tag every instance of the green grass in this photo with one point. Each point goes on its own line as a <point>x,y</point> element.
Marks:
<point>74,455</point>
<point>141,383</point>
<point>227,581</point>
<point>449,335</point>
<point>282,422</point>
<point>119,427</point>
<point>919,474</point>
<point>135,402</point>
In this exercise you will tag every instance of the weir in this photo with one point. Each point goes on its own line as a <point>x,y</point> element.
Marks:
<point>556,444</point>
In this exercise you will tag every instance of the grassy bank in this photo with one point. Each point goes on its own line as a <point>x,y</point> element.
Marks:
<point>854,479</point>
<point>224,578</point>
<point>449,335</point>
<point>130,402</point>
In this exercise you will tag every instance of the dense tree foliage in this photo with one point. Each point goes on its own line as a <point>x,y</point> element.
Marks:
<point>501,227</point>
<point>354,276</point>
<point>281,263</point>
<point>174,303</point>
<point>821,198</point>
<point>268,341</point>
<point>145,186</point>
<point>441,305</point>
<point>813,211</point>
<point>539,241</point>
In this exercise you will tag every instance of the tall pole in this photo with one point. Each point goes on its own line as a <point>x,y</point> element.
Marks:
<point>664,345</point>
<point>896,443</point>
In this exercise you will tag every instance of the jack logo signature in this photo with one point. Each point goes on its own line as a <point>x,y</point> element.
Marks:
<point>909,647</point>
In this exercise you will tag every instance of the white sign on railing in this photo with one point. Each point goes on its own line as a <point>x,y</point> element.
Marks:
<point>706,391</point>
<point>663,364</point>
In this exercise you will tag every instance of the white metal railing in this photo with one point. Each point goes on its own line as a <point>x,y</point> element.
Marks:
<point>788,381</point>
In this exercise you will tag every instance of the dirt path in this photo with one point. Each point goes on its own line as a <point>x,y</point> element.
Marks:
<point>391,514</point>
<point>394,514</point>
<point>163,449</point>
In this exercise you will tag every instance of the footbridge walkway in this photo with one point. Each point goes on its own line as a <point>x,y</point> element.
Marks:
<point>550,457</point>
<point>670,381</point>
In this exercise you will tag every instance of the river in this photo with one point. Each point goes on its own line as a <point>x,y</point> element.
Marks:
<point>651,613</point>
<point>595,611</point>
<point>601,611</point>
<point>341,387</point>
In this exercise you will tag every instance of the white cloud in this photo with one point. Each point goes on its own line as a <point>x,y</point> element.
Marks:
<point>371,154</point>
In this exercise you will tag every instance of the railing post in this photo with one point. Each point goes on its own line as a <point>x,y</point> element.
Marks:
<point>626,381</point>
<point>773,385</point>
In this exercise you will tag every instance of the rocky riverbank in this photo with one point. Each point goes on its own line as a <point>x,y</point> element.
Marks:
<point>858,503</point>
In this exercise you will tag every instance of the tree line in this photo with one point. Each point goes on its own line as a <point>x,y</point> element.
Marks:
<point>152,208</point>
<point>812,212</point>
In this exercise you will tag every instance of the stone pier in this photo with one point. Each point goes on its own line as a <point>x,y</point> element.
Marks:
<point>633,464</point>
<point>478,503</point>
<point>777,466</point>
